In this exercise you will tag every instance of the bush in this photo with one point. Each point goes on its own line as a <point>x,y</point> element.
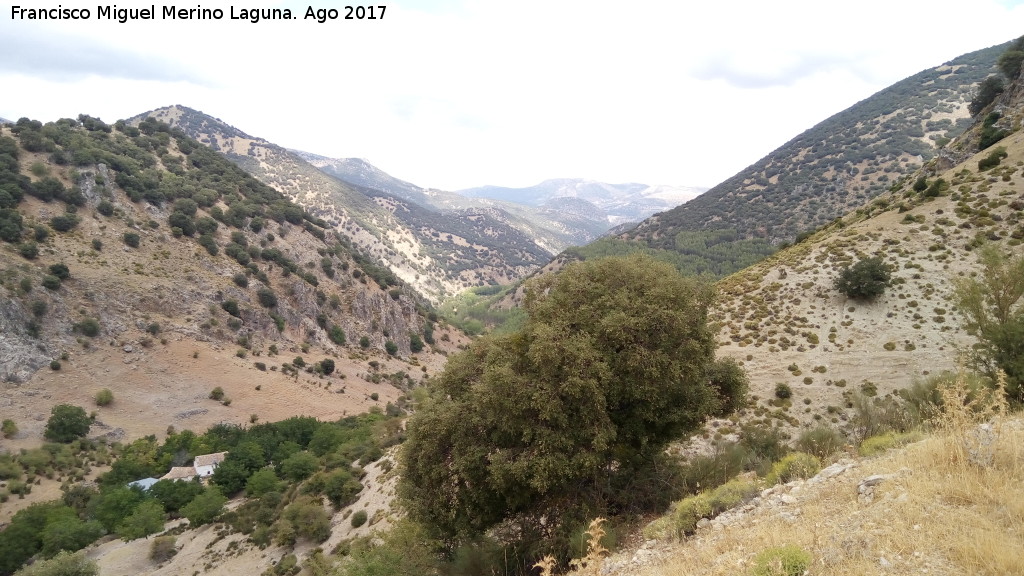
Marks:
<point>821,441</point>
<point>783,391</point>
<point>231,307</point>
<point>97,244</point>
<point>686,513</point>
<point>391,348</point>
<point>51,282</point>
<point>64,222</point>
<point>865,280</point>
<point>9,429</point>
<point>28,250</point>
<point>359,518</point>
<point>132,239</point>
<point>217,394</point>
<point>87,327</point>
<point>793,466</point>
<point>163,548</point>
<point>67,423</point>
<point>104,397</point>
<point>240,280</point>
<point>364,342</point>
<point>877,444</point>
<point>63,564</point>
<point>336,334</point>
<point>266,297</point>
<point>993,159</point>
<point>788,560</point>
<point>55,365</point>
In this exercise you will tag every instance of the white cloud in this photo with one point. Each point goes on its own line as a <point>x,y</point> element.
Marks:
<point>456,94</point>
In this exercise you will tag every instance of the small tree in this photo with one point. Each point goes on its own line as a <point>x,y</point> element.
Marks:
<point>67,423</point>
<point>992,311</point>
<point>865,280</point>
<point>204,507</point>
<point>132,239</point>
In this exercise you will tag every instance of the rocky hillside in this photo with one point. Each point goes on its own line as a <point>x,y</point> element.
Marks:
<point>837,165</point>
<point>548,223</point>
<point>136,259</point>
<point>787,323</point>
<point>440,253</point>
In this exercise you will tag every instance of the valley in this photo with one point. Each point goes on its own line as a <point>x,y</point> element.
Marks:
<point>411,380</point>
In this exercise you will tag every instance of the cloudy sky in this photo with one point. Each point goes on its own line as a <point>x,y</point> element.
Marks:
<point>458,93</point>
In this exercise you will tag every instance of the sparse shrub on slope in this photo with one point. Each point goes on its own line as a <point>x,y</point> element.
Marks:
<point>865,280</point>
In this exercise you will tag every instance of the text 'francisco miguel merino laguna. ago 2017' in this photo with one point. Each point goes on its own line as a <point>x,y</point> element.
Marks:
<point>253,15</point>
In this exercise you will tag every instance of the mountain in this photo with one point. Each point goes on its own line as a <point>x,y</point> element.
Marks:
<point>550,226</point>
<point>440,253</point>
<point>137,259</point>
<point>5,121</point>
<point>837,165</point>
<point>620,203</point>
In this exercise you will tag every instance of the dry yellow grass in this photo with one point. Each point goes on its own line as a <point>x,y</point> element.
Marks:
<point>937,512</point>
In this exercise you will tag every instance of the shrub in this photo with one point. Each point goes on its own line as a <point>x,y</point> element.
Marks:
<point>793,466</point>
<point>97,244</point>
<point>64,222</point>
<point>131,239</point>
<point>364,342</point>
<point>266,297</point>
<point>54,365</point>
<point>9,429</point>
<point>783,391</point>
<point>391,348</point>
<point>28,250</point>
<point>686,513</point>
<point>788,560</point>
<point>87,327</point>
<point>104,397</point>
<point>336,334</point>
<point>240,280</point>
<point>877,444</point>
<point>163,548</point>
<point>821,441</point>
<point>374,396</point>
<point>63,564</point>
<point>865,280</point>
<point>51,282</point>
<point>993,159</point>
<point>415,343</point>
<point>231,307</point>
<point>105,208</point>
<point>359,518</point>
<point>217,394</point>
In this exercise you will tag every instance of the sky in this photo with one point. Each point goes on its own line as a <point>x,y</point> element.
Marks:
<point>453,94</point>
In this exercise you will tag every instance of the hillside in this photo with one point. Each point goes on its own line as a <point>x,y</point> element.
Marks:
<point>439,253</point>
<point>140,261</point>
<point>837,165</point>
<point>551,227</point>
<point>786,322</point>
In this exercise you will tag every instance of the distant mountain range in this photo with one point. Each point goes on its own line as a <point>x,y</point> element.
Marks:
<point>621,203</point>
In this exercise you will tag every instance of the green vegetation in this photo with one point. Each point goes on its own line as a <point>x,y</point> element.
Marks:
<point>104,397</point>
<point>67,423</point>
<point>611,364</point>
<point>788,560</point>
<point>865,280</point>
<point>991,310</point>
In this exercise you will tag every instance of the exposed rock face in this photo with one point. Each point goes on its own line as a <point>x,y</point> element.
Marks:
<point>20,354</point>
